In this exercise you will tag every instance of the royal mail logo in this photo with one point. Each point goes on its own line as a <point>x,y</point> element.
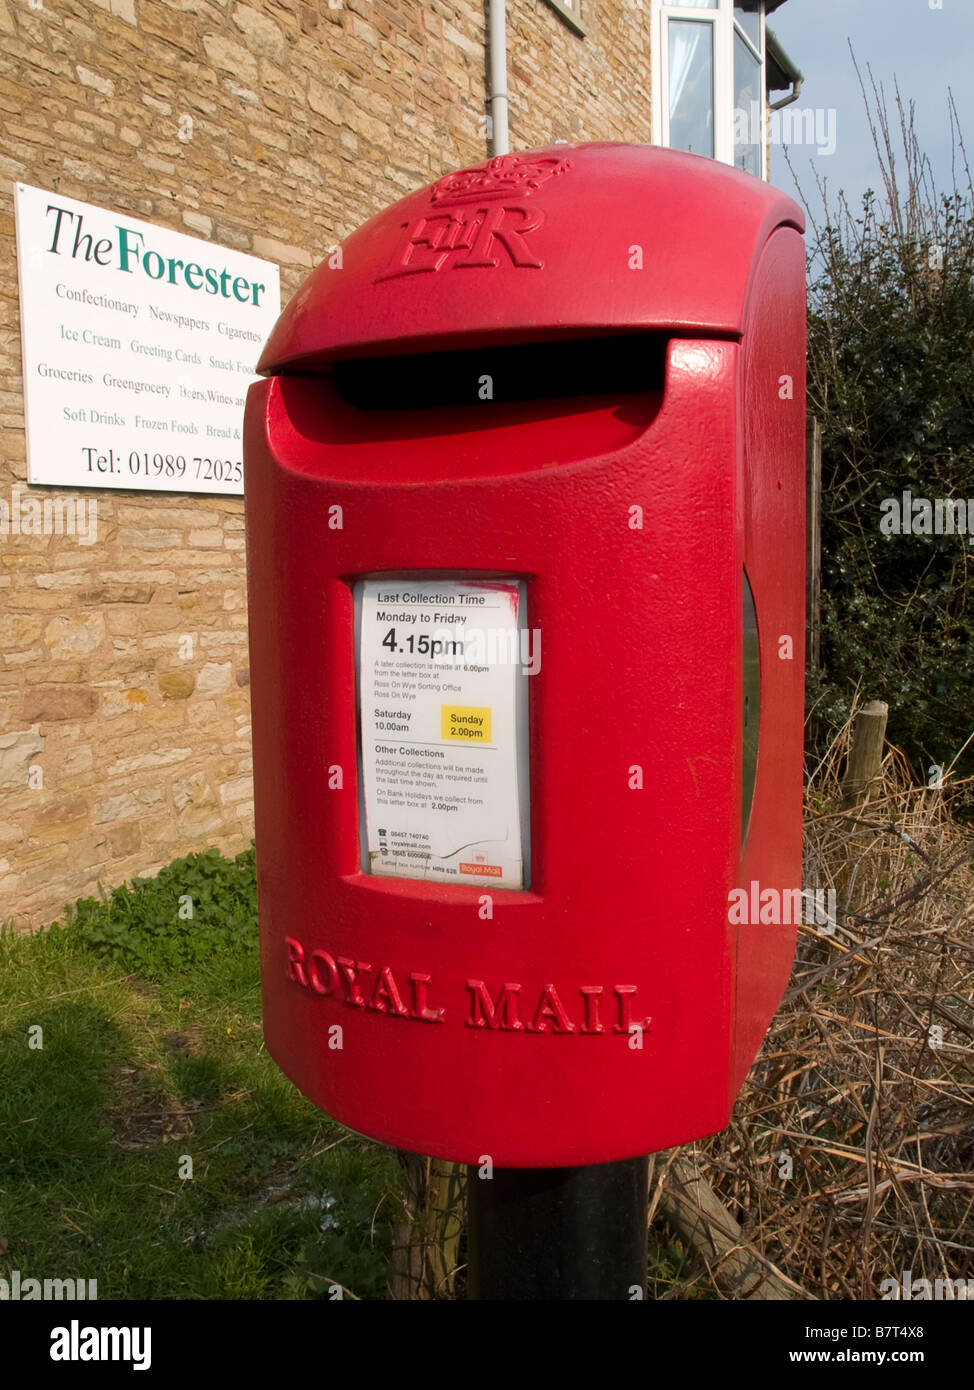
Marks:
<point>478,221</point>
<point>504,176</point>
<point>493,870</point>
<point>481,238</point>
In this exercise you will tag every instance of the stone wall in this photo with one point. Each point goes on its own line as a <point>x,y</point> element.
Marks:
<point>275,129</point>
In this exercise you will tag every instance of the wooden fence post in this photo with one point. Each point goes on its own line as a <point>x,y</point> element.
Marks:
<point>866,754</point>
<point>425,1244</point>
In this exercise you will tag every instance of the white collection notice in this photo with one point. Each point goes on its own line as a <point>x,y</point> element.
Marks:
<point>138,344</point>
<point>439,679</point>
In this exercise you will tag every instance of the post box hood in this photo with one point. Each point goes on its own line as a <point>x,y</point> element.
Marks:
<point>567,241</point>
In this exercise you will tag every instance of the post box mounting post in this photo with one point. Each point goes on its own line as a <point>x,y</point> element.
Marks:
<point>558,1233</point>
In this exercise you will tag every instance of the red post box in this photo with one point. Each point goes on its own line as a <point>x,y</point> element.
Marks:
<point>525,543</point>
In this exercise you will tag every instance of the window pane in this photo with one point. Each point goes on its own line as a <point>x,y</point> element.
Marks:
<point>695,4</point>
<point>750,22</point>
<point>748,109</point>
<point>692,86</point>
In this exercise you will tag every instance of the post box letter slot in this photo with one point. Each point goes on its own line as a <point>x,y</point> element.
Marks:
<point>617,364</point>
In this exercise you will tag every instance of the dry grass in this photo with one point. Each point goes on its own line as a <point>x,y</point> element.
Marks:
<point>850,1156</point>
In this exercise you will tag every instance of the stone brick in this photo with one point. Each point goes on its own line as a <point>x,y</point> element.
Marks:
<point>128,805</point>
<point>192,791</point>
<point>127,839</point>
<point>166,22</point>
<point>10,834</point>
<point>75,636</point>
<point>65,579</point>
<point>211,535</point>
<point>17,751</point>
<point>198,222</point>
<point>18,630</point>
<point>59,814</point>
<point>71,673</point>
<point>149,540</point>
<point>166,513</point>
<point>160,618</point>
<point>123,767</point>
<point>52,702</point>
<point>31,656</point>
<point>230,57</point>
<point>105,594</point>
<point>115,702</point>
<point>269,249</point>
<point>326,102</point>
<point>177,685</point>
<point>77,760</point>
<point>238,789</point>
<point>87,78</point>
<point>122,622</point>
<point>231,640</point>
<point>262,33</point>
<point>214,678</point>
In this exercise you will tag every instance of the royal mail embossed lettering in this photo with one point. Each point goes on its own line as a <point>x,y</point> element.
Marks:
<point>509,1007</point>
<point>357,984</point>
<point>480,238</point>
<point>468,230</point>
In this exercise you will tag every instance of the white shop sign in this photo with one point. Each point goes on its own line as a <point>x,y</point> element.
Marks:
<point>443,710</point>
<point>138,347</point>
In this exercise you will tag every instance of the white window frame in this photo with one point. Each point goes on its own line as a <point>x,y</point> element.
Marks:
<point>571,12</point>
<point>720,15</point>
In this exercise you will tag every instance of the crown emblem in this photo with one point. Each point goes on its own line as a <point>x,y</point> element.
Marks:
<point>504,176</point>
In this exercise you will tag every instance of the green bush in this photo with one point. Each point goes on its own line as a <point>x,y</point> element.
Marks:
<point>193,909</point>
<point>891,378</point>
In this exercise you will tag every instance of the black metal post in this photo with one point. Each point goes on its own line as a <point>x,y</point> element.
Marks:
<point>558,1233</point>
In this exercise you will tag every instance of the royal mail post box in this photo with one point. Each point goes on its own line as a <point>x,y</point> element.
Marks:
<point>525,544</point>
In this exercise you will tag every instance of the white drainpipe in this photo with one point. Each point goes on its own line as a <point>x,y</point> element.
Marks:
<point>497,74</point>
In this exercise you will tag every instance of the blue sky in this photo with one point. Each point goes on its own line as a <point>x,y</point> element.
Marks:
<point>927,50</point>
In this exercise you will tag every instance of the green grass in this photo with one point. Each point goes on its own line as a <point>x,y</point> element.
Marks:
<point>153,1053</point>
<point>148,1005</point>
<point>672,1273</point>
